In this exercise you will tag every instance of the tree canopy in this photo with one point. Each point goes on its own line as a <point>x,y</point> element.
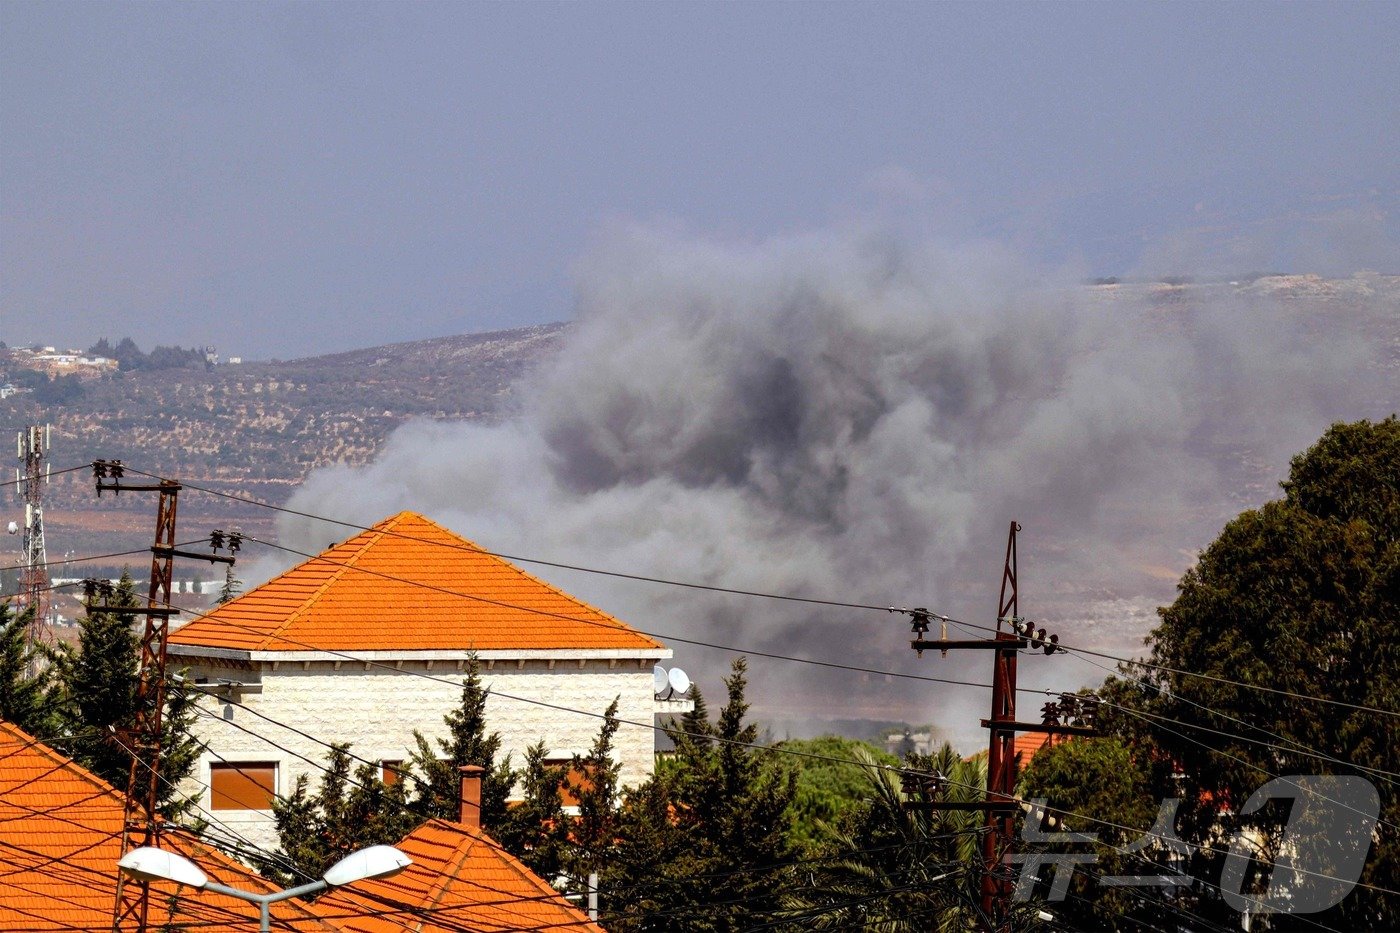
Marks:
<point>1277,658</point>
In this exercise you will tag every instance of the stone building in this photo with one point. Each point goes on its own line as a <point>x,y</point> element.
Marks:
<point>369,640</point>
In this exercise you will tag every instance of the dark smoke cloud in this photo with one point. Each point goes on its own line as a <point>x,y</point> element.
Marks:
<point>855,417</point>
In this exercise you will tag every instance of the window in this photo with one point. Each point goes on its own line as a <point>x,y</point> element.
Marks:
<point>575,779</point>
<point>244,785</point>
<point>391,771</point>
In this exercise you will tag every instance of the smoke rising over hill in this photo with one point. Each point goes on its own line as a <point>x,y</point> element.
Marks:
<point>855,417</point>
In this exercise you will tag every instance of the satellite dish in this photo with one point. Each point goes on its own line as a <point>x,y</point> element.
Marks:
<point>680,680</point>
<point>658,679</point>
<point>14,528</point>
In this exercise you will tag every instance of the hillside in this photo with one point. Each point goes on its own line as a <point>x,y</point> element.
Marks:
<point>257,427</point>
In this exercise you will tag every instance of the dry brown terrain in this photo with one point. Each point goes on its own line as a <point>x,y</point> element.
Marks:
<point>254,429</point>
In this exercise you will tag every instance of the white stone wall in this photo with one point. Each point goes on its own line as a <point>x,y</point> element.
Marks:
<point>377,710</point>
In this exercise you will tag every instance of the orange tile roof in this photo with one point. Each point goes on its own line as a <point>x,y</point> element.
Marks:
<point>60,838</point>
<point>407,584</point>
<point>460,879</point>
<point>1028,744</point>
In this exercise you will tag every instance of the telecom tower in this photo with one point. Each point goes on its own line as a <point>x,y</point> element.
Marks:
<point>33,451</point>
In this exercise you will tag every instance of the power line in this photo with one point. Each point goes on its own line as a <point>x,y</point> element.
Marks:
<point>564,617</point>
<point>49,475</point>
<point>775,596</point>
<point>773,749</point>
<point>568,618</point>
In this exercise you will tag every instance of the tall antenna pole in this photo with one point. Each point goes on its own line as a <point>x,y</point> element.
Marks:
<point>33,449</point>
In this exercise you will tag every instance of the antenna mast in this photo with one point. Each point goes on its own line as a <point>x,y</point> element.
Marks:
<point>32,477</point>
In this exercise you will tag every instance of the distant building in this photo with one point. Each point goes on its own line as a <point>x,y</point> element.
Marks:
<point>368,642</point>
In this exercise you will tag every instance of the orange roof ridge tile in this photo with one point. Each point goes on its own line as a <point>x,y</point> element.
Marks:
<point>447,878</point>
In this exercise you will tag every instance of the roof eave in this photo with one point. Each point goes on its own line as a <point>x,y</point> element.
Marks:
<point>449,654</point>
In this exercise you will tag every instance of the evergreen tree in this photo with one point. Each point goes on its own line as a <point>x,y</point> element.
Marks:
<point>708,836</point>
<point>22,697</point>
<point>438,776</point>
<point>347,813</point>
<point>594,832</point>
<point>98,688</point>
<point>829,786</point>
<point>95,699</point>
<point>535,829</point>
<point>231,588</point>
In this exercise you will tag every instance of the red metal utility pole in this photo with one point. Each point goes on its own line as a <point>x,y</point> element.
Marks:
<point>140,825</point>
<point>1001,748</point>
<point>1000,804</point>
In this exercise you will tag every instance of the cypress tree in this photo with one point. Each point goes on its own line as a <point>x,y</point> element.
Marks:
<point>22,697</point>
<point>438,778</point>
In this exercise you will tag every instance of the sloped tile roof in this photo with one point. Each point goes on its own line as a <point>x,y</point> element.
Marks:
<point>1028,744</point>
<point>460,879</point>
<point>407,584</point>
<point>60,838</point>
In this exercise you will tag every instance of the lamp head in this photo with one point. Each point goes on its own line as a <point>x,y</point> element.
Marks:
<point>149,864</point>
<point>374,862</point>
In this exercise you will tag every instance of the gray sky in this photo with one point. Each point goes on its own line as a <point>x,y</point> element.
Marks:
<point>282,180</point>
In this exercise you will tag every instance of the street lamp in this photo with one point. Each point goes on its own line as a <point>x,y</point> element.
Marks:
<point>148,864</point>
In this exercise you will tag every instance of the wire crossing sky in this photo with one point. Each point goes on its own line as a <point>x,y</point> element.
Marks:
<point>289,179</point>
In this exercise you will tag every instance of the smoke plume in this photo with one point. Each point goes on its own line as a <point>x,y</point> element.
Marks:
<point>857,417</point>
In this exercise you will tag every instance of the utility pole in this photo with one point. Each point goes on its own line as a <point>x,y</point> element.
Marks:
<point>1000,803</point>
<point>140,825</point>
<point>32,477</point>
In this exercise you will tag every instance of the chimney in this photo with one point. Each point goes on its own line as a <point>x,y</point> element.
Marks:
<point>469,807</point>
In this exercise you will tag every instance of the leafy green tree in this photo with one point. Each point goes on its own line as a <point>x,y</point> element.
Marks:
<point>22,696</point>
<point>347,813</point>
<point>1102,778</point>
<point>437,774</point>
<point>829,784</point>
<point>897,869</point>
<point>1299,597</point>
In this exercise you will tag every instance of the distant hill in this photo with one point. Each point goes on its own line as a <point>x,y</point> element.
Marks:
<point>258,427</point>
